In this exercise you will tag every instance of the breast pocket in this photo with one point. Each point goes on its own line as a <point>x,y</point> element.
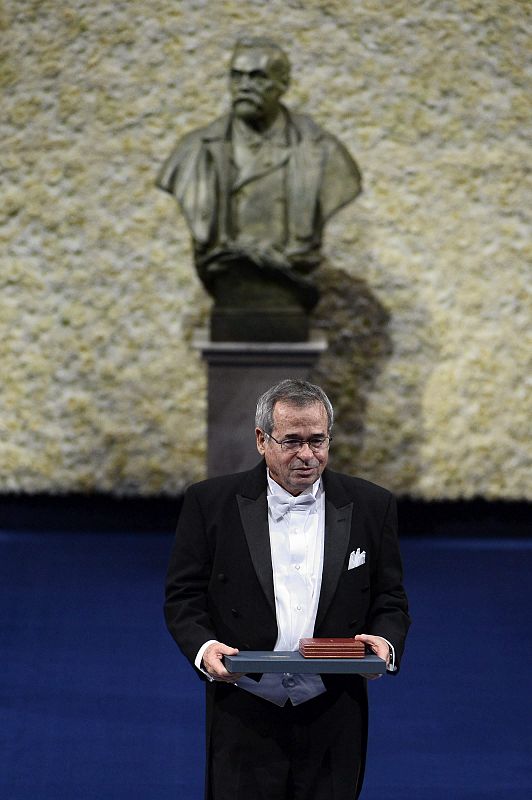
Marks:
<point>358,575</point>
<point>356,586</point>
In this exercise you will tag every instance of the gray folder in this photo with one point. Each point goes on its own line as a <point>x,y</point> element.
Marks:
<point>283,661</point>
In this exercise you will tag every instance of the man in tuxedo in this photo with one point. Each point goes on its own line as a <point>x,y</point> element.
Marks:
<point>287,550</point>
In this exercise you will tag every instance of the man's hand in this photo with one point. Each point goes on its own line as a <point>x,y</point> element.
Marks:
<point>213,664</point>
<point>379,646</point>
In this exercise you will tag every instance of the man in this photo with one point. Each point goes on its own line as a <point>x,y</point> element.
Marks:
<point>262,558</point>
<point>257,185</point>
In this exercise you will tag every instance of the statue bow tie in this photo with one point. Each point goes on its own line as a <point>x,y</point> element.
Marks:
<point>279,506</point>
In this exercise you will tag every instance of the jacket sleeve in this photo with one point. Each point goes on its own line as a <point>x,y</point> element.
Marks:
<point>388,612</point>
<point>187,581</point>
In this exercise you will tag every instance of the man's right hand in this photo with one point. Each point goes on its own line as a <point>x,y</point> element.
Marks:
<point>213,662</point>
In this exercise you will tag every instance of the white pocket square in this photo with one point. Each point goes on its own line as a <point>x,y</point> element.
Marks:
<point>357,558</point>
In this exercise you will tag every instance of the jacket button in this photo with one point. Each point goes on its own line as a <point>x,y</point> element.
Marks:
<point>222,577</point>
<point>234,612</point>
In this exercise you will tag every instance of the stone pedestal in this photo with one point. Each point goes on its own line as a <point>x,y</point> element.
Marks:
<point>238,373</point>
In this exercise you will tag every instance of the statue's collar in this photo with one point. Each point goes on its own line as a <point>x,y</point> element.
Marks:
<point>299,126</point>
<point>276,133</point>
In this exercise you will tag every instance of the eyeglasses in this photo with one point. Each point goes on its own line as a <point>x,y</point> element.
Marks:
<point>316,443</point>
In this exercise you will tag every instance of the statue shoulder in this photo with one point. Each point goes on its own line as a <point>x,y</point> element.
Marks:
<point>217,129</point>
<point>340,177</point>
<point>308,130</point>
<point>305,126</point>
<point>188,149</point>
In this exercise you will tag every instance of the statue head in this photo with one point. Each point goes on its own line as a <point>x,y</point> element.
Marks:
<point>260,75</point>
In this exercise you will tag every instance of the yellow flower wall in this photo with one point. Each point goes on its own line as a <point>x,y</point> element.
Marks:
<point>427,274</point>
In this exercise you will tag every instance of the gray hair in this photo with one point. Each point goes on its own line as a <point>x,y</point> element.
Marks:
<point>297,393</point>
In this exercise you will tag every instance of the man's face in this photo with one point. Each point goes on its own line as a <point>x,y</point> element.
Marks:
<point>295,472</point>
<point>255,90</point>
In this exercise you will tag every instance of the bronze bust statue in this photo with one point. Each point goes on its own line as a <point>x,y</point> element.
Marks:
<point>256,187</point>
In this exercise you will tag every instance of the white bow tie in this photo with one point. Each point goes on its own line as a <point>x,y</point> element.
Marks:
<point>280,506</point>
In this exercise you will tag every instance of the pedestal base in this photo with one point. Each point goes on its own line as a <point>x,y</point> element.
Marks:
<point>240,325</point>
<point>253,304</point>
<point>238,373</point>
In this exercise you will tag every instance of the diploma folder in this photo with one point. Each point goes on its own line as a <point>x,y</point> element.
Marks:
<point>259,661</point>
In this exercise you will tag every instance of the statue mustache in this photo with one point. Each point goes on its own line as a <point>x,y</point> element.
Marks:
<point>248,96</point>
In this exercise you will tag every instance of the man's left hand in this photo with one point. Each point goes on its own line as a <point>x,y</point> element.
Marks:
<point>379,646</point>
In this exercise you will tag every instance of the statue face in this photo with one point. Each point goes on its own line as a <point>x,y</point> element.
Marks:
<point>255,89</point>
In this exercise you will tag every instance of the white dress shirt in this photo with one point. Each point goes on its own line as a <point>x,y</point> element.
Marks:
<point>296,543</point>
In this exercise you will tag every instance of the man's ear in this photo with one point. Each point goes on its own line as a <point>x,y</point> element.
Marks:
<point>261,439</point>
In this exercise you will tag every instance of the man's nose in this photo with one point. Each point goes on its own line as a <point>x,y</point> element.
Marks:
<point>305,451</point>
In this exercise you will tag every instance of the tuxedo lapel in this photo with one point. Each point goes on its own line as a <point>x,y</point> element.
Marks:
<point>337,533</point>
<point>254,516</point>
<point>253,508</point>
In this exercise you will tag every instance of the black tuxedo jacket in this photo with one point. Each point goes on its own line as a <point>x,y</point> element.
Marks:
<point>220,580</point>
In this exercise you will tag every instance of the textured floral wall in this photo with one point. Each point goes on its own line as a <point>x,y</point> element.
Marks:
<point>427,273</point>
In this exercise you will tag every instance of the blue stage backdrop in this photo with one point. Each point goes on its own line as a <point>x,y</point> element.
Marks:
<point>98,704</point>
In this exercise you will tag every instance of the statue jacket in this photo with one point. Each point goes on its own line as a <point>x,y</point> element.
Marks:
<point>321,178</point>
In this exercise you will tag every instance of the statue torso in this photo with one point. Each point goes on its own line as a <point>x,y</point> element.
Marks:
<point>258,203</point>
